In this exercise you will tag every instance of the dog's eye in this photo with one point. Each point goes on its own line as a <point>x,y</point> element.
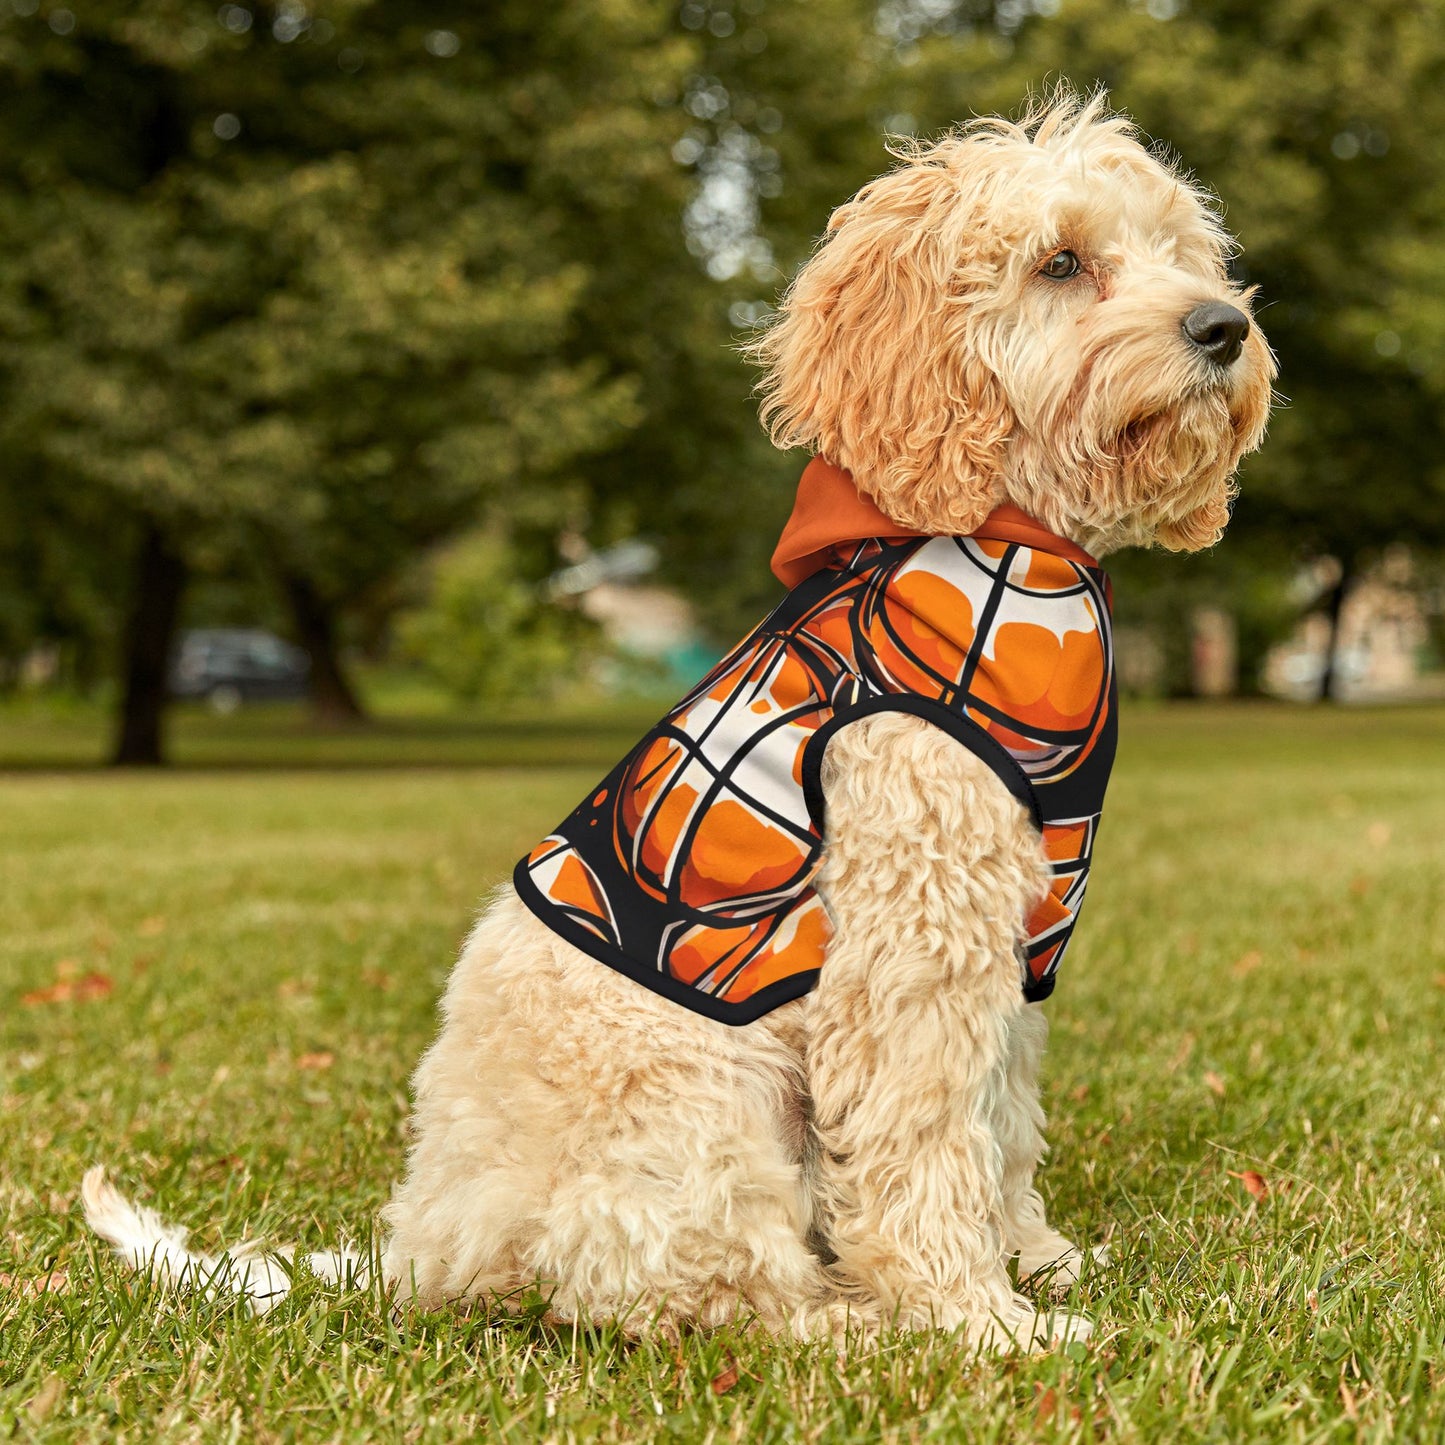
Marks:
<point>1060,266</point>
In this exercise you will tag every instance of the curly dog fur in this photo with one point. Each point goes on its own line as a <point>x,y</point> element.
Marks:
<point>863,1156</point>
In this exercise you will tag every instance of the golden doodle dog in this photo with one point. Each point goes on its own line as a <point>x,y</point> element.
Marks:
<point>754,1033</point>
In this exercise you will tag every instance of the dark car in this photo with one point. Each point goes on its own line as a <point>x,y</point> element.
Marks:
<point>231,665</point>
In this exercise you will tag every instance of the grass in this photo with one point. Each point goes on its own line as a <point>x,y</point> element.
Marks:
<point>412,725</point>
<point>252,957</point>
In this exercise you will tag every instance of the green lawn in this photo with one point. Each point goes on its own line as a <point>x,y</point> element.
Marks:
<point>252,958</point>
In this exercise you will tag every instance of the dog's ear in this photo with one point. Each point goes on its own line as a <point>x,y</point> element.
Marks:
<point>873,360</point>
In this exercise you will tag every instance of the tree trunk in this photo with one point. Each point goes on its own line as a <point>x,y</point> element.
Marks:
<point>160,578</point>
<point>1329,674</point>
<point>333,699</point>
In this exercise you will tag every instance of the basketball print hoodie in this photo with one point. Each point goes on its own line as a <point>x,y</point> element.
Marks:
<point>690,867</point>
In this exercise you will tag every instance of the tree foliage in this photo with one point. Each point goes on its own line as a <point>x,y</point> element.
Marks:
<point>306,290</point>
<point>322,287</point>
<point>486,634</point>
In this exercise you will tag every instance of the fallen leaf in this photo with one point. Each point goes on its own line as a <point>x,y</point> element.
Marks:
<point>1440,980</point>
<point>66,990</point>
<point>724,1382</point>
<point>1080,1094</point>
<point>1255,1184</point>
<point>56,993</point>
<point>151,927</point>
<point>1360,885</point>
<point>56,1282</point>
<point>1247,963</point>
<point>322,1059</point>
<point>1046,1408</point>
<point>1214,1083</point>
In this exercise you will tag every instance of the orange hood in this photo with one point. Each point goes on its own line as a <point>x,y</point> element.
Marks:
<point>829,510</point>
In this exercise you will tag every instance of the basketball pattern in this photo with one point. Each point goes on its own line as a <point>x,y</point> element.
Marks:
<point>691,866</point>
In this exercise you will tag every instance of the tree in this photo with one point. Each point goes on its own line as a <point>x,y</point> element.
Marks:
<point>325,286</point>
<point>292,283</point>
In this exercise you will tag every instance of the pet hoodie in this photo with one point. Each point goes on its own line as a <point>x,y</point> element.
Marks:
<point>690,867</point>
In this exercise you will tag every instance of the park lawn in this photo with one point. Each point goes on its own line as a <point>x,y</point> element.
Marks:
<point>408,726</point>
<point>1254,1005</point>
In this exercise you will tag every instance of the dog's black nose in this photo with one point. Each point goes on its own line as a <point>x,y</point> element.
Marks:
<point>1218,330</point>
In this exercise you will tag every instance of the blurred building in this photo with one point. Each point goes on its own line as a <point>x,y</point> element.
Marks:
<point>1382,651</point>
<point>653,631</point>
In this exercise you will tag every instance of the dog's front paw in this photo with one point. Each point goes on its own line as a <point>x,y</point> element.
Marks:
<point>1023,1326</point>
<point>1058,1269</point>
<point>1059,1328</point>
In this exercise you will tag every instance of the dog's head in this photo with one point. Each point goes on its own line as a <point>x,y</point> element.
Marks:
<point>1035,312</point>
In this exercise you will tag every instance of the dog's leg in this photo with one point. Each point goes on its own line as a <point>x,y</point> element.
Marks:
<point>576,1133</point>
<point>930,868</point>
<point>1019,1127</point>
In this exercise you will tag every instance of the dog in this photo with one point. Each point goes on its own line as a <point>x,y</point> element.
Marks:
<point>758,1037</point>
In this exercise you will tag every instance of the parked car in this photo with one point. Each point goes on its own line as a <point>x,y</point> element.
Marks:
<point>230,665</point>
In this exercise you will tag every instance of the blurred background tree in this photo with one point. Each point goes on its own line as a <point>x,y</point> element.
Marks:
<point>485,633</point>
<point>292,294</point>
<point>306,289</point>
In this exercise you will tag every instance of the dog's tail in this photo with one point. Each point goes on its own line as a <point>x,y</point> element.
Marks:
<point>147,1243</point>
